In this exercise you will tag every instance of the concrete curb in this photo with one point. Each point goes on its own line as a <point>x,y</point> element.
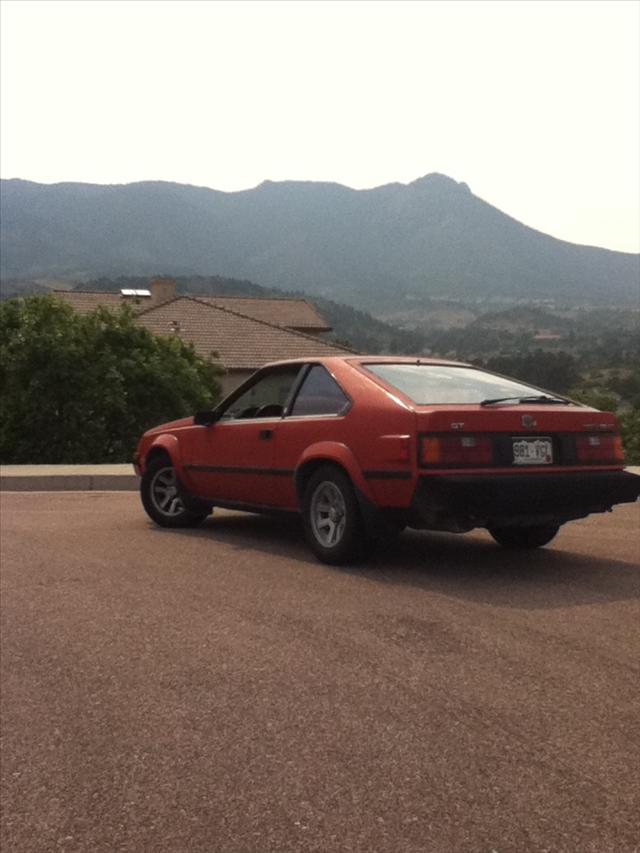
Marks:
<point>67,478</point>
<point>80,478</point>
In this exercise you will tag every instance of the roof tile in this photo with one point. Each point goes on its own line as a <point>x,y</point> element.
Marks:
<point>241,342</point>
<point>288,312</point>
<point>84,301</point>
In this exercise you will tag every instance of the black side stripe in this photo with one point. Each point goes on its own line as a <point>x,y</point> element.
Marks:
<point>287,472</point>
<point>387,475</point>
<point>230,469</point>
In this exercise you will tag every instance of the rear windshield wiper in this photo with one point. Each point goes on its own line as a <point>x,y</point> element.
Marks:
<point>542,398</point>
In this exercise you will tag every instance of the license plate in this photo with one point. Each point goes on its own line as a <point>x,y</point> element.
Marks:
<point>532,451</point>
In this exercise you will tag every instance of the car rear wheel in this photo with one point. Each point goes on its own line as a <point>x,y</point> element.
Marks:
<point>332,520</point>
<point>534,536</point>
<point>163,500</point>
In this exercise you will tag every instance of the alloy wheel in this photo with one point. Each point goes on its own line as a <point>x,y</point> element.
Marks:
<point>165,494</point>
<point>328,514</point>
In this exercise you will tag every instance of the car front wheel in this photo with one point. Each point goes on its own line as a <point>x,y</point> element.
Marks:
<point>332,520</point>
<point>534,536</point>
<point>162,497</point>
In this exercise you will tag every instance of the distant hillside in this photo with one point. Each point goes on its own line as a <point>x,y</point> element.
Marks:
<point>376,249</point>
<point>522,318</point>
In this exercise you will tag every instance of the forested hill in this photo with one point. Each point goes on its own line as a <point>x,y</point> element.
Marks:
<point>376,249</point>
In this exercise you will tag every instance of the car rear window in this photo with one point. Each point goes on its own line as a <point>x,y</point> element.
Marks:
<point>432,384</point>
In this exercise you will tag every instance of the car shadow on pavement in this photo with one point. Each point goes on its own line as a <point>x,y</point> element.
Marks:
<point>470,567</point>
<point>474,568</point>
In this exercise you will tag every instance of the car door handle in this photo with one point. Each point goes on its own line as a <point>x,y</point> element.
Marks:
<point>266,434</point>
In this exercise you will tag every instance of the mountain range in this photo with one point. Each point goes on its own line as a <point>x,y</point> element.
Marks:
<point>380,249</point>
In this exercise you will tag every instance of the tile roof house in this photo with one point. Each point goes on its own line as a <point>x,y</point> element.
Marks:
<point>288,312</point>
<point>86,301</point>
<point>242,342</point>
<point>291,313</point>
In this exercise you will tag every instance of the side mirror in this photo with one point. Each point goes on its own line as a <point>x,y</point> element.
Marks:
<point>207,418</point>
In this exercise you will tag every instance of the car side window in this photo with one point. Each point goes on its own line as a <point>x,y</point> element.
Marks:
<point>266,398</point>
<point>320,394</point>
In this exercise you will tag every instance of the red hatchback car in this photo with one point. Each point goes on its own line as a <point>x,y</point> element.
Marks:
<point>363,446</point>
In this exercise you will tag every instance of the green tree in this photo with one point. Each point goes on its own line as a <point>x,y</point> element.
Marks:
<point>81,389</point>
<point>556,371</point>
<point>597,398</point>
<point>630,432</point>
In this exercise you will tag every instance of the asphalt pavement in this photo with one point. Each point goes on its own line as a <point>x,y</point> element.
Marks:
<point>219,691</point>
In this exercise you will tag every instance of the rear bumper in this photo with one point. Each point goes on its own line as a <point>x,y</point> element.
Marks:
<point>464,502</point>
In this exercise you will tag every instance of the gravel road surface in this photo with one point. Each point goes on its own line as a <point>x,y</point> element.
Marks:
<point>219,691</point>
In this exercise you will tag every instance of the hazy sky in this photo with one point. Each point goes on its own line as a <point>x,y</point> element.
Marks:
<point>535,105</point>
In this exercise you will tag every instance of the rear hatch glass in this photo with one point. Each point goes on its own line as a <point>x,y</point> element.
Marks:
<point>442,384</point>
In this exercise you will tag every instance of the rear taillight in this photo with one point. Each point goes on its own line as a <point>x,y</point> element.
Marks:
<point>599,448</point>
<point>456,450</point>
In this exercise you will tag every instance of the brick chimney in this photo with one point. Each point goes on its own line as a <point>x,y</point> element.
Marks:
<point>162,290</point>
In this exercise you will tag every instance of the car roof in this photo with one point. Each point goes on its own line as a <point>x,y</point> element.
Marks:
<point>368,359</point>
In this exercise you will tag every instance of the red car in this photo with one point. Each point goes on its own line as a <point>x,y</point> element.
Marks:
<point>363,446</point>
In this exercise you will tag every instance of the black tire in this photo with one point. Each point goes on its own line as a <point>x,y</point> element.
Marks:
<point>160,492</point>
<point>534,536</point>
<point>331,515</point>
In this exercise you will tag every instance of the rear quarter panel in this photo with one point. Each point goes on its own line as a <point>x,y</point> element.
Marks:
<point>374,441</point>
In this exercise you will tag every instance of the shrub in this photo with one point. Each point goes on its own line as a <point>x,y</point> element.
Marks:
<point>81,389</point>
